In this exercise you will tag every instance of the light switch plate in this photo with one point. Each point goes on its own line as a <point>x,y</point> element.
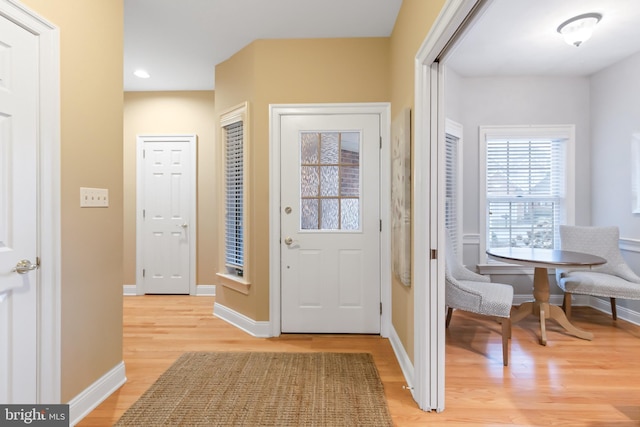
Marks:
<point>94,197</point>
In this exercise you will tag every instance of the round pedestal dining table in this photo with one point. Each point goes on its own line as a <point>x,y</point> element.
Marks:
<point>541,260</point>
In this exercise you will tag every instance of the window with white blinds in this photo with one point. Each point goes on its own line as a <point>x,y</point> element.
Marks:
<point>527,191</point>
<point>234,198</point>
<point>452,188</point>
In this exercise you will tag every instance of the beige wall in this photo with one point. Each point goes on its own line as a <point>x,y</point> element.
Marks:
<point>179,112</point>
<point>289,71</point>
<point>91,39</point>
<point>267,71</point>
<point>412,26</point>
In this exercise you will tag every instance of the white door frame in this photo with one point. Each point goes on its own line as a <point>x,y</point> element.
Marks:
<point>192,140</point>
<point>275,113</point>
<point>48,147</point>
<point>429,203</point>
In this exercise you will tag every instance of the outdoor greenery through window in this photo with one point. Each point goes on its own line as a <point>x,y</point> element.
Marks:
<point>526,188</point>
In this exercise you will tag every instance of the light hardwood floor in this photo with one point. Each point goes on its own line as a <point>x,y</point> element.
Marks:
<point>570,382</point>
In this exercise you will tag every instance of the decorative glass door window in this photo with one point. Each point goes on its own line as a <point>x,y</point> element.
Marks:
<point>330,181</point>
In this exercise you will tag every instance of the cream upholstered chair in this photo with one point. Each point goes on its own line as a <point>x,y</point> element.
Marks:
<point>469,291</point>
<point>615,279</point>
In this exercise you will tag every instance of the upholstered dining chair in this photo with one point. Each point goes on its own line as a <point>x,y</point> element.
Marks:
<point>615,279</point>
<point>469,291</point>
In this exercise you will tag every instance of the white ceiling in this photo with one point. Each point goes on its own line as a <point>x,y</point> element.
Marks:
<point>519,37</point>
<point>179,42</point>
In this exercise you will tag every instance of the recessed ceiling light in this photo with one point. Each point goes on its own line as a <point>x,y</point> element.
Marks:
<point>142,74</point>
<point>579,28</point>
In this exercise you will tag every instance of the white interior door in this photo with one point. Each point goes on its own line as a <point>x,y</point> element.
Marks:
<point>18,216</point>
<point>167,199</point>
<point>330,223</point>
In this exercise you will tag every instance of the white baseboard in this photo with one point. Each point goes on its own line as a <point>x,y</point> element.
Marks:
<point>250,326</point>
<point>96,393</point>
<point>206,290</point>
<point>403,358</point>
<point>623,313</point>
<point>129,290</point>
<point>201,290</point>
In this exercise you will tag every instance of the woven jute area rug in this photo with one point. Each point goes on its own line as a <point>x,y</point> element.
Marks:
<point>264,389</point>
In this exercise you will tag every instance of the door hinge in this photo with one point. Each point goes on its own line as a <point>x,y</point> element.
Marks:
<point>381,143</point>
<point>144,154</point>
<point>380,308</point>
<point>144,213</point>
<point>143,272</point>
<point>380,225</point>
<point>434,254</point>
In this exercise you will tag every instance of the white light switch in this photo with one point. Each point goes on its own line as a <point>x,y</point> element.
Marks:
<point>94,197</point>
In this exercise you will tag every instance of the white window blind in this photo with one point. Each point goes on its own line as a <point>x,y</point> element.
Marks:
<point>234,170</point>
<point>525,192</point>
<point>452,187</point>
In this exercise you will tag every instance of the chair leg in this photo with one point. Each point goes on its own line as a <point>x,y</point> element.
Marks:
<point>506,334</point>
<point>614,312</point>
<point>566,304</point>
<point>449,313</point>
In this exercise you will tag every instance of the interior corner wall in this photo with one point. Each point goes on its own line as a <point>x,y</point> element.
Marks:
<point>523,101</point>
<point>411,28</point>
<point>166,113</point>
<point>235,84</point>
<point>285,72</point>
<point>614,111</point>
<point>519,101</point>
<point>91,86</point>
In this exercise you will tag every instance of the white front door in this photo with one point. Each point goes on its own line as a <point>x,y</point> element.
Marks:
<point>330,223</point>
<point>18,217</point>
<point>167,199</point>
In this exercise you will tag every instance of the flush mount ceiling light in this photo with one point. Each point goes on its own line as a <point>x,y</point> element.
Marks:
<point>141,73</point>
<point>579,28</point>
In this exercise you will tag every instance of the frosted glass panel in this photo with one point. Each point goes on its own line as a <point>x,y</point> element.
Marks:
<point>350,214</point>
<point>309,151</point>
<point>309,181</point>
<point>309,214</point>
<point>329,148</point>
<point>329,181</point>
<point>330,214</point>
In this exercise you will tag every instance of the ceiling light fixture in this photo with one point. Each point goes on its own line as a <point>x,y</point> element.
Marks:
<point>579,28</point>
<point>141,73</point>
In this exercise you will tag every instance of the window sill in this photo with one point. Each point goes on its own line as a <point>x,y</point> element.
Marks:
<point>236,283</point>
<point>502,268</point>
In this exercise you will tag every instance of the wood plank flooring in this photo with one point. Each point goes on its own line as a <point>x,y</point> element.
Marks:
<point>570,382</point>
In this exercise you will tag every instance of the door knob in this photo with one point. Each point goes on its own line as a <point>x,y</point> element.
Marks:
<point>25,266</point>
<point>183,225</point>
<point>288,241</point>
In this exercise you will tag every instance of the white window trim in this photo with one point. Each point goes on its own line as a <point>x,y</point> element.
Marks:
<point>239,113</point>
<point>524,131</point>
